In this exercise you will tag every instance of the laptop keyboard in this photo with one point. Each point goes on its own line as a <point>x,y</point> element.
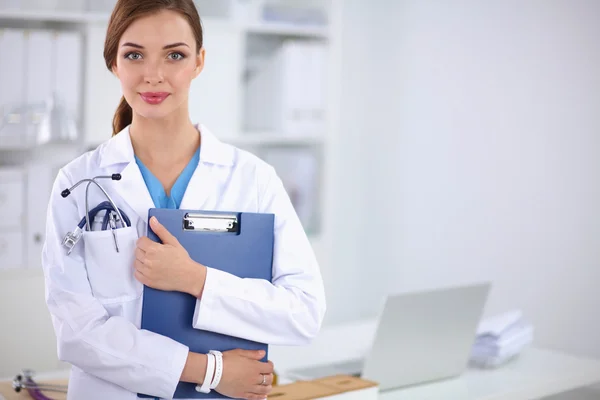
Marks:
<point>350,368</point>
<point>353,368</point>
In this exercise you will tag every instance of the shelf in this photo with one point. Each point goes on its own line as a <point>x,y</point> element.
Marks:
<point>83,17</point>
<point>269,139</point>
<point>283,29</point>
<point>53,16</point>
<point>7,145</point>
<point>14,147</point>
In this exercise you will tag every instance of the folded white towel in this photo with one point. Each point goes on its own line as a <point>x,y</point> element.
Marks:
<point>508,346</point>
<point>497,325</point>
<point>508,337</point>
<point>501,338</point>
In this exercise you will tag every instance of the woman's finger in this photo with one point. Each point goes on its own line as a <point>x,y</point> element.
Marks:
<point>255,396</point>
<point>268,379</point>
<point>140,277</point>
<point>140,266</point>
<point>146,243</point>
<point>140,254</point>
<point>261,389</point>
<point>266,367</point>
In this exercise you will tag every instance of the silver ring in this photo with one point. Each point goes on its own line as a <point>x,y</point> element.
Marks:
<point>264,382</point>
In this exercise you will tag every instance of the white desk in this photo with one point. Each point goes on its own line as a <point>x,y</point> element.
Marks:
<point>535,374</point>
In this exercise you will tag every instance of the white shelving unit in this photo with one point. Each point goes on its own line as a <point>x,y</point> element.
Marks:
<point>80,17</point>
<point>279,29</point>
<point>254,139</point>
<point>68,17</point>
<point>216,98</point>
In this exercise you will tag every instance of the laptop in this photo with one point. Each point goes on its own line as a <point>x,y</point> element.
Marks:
<point>421,337</point>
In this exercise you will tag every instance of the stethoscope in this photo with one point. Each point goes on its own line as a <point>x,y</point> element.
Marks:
<point>25,381</point>
<point>112,217</point>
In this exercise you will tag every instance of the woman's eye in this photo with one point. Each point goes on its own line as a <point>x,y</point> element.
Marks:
<point>133,56</point>
<point>176,56</point>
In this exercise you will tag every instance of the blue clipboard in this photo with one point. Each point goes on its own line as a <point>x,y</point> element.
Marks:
<point>234,242</point>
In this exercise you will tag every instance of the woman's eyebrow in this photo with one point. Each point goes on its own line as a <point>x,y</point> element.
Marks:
<point>129,44</point>
<point>169,46</point>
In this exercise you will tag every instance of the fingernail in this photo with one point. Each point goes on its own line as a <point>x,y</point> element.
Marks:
<point>153,220</point>
<point>261,353</point>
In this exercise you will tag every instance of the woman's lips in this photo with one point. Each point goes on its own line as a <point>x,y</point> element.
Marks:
<point>154,97</point>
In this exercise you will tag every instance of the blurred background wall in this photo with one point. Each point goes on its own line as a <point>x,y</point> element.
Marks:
<point>482,152</point>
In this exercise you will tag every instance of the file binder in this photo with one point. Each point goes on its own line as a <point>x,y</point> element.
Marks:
<point>12,87</point>
<point>67,73</point>
<point>239,243</point>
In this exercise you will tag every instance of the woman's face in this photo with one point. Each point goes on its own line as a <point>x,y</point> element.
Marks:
<point>156,63</point>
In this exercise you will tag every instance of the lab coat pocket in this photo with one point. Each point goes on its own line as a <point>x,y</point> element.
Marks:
<point>110,273</point>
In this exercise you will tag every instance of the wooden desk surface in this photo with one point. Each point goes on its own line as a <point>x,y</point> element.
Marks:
<point>7,391</point>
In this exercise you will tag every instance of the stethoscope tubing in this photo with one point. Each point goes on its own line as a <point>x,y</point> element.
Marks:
<point>34,389</point>
<point>68,191</point>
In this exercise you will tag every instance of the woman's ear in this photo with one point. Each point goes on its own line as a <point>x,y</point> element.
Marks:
<point>199,62</point>
<point>114,70</point>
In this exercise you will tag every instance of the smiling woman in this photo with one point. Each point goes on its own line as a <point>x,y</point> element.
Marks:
<point>155,49</point>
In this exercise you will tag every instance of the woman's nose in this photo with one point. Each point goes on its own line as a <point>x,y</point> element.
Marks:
<point>154,75</point>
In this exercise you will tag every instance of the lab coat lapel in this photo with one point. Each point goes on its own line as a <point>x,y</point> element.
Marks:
<point>203,188</point>
<point>133,190</point>
<point>200,188</point>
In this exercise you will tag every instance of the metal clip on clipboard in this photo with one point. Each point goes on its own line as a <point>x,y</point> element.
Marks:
<point>208,222</point>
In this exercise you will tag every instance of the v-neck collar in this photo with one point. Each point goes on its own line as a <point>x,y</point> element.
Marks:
<point>156,189</point>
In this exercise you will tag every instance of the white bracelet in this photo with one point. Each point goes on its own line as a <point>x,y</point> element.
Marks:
<point>210,370</point>
<point>218,369</point>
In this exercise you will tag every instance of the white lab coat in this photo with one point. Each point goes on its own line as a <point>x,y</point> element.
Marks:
<point>96,303</point>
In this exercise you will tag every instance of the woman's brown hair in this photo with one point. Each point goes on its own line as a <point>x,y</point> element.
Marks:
<point>124,13</point>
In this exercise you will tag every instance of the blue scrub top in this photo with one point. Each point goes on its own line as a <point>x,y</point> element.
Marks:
<point>157,192</point>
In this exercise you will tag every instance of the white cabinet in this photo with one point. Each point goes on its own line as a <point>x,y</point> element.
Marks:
<point>12,216</point>
<point>12,194</point>
<point>11,249</point>
<point>215,93</point>
<point>11,204</point>
<point>40,177</point>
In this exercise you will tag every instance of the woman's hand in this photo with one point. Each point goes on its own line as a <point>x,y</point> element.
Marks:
<point>167,266</point>
<point>243,375</point>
